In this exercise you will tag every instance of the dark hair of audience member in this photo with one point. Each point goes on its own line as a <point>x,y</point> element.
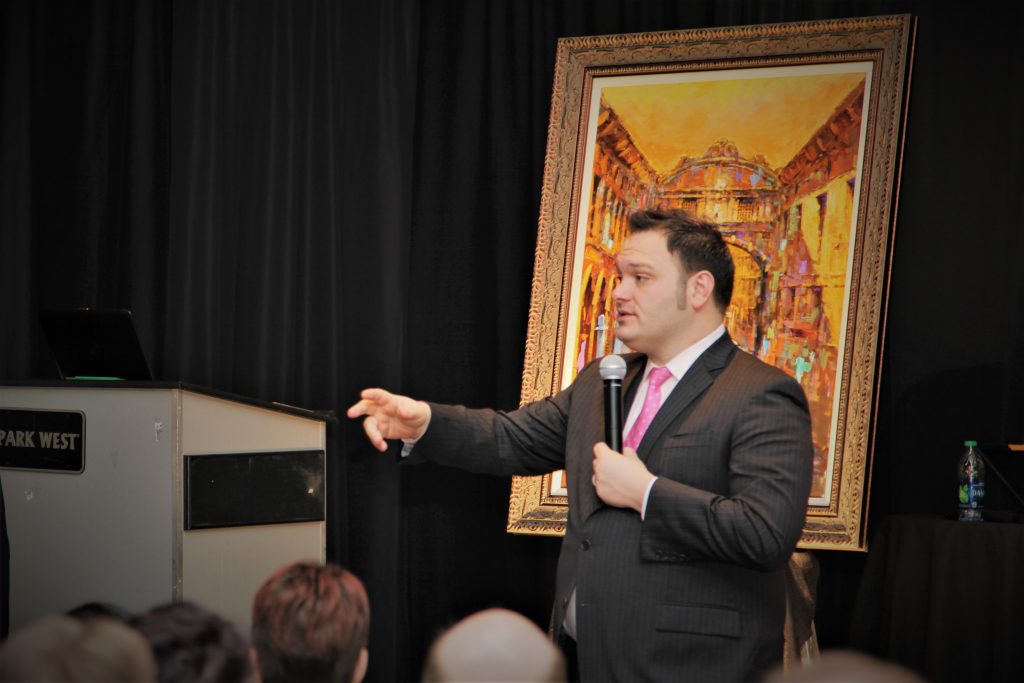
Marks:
<point>190,643</point>
<point>62,649</point>
<point>311,622</point>
<point>90,610</point>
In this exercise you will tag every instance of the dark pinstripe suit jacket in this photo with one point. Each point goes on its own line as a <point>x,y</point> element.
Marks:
<point>694,592</point>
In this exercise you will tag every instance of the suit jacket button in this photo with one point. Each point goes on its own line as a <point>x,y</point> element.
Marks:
<point>585,545</point>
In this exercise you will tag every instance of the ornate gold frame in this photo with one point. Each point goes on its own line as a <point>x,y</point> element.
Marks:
<point>886,43</point>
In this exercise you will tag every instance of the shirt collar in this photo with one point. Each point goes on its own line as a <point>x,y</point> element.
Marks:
<point>685,358</point>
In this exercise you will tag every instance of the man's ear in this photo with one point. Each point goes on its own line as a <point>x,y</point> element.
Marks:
<point>361,664</point>
<point>702,289</point>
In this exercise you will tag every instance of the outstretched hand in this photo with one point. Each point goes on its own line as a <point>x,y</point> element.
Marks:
<point>390,416</point>
<point>621,479</point>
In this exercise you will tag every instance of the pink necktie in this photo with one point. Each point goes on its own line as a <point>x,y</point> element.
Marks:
<point>652,402</point>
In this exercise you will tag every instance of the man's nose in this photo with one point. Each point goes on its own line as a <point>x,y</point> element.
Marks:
<point>619,291</point>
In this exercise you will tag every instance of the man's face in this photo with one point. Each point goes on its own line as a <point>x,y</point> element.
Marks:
<point>651,297</point>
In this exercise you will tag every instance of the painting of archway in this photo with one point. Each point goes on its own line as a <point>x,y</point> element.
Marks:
<point>789,157</point>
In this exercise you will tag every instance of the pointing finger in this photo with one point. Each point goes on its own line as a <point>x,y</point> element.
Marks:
<point>360,408</point>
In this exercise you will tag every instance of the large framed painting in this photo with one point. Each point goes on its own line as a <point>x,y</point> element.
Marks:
<point>789,137</point>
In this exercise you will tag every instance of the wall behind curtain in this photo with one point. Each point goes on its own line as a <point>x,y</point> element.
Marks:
<point>299,199</point>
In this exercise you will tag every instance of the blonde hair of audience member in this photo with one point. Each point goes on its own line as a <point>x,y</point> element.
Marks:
<point>494,645</point>
<point>64,648</point>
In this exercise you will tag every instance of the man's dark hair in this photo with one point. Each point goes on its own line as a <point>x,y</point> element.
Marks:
<point>309,623</point>
<point>191,643</point>
<point>696,242</point>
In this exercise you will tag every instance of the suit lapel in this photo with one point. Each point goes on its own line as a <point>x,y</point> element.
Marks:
<point>631,382</point>
<point>693,384</point>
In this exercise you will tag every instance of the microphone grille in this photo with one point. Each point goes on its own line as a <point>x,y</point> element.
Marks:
<point>613,367</point>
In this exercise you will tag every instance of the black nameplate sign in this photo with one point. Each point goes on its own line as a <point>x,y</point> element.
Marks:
<point>241,489</point>
<point>50,440</point>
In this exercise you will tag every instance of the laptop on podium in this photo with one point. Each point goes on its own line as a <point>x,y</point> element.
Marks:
<point>95,344</point>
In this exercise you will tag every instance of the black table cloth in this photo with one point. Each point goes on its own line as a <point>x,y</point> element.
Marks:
<point>945,598</point>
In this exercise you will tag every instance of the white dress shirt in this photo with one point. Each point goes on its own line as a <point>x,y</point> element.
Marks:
<point>678,366</point>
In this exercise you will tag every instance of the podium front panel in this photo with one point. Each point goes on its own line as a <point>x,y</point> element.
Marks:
<point>115,531</point>
<point>106,534</point>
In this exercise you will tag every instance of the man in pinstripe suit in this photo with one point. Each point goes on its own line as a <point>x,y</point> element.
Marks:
<point>672,564</point>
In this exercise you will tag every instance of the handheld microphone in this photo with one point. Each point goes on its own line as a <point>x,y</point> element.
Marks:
<point>613,370</point>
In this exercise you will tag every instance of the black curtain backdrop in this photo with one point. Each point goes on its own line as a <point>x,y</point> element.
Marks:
<point>299,199</point>
<point>287,265</point>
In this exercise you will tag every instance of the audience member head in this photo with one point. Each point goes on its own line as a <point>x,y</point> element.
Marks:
<point>191,643</point>
<point>64,648</point>
<point>494,645</point>
<point>845,666</point>
<point>311,622</point>
<point>90,610</point>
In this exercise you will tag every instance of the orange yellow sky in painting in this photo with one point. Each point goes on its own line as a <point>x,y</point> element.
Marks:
<point>770,116</point>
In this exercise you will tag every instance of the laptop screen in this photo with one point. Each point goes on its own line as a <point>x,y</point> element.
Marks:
<point>95,344</point>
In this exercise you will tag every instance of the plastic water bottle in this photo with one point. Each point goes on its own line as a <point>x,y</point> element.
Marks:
<point>971,471</point>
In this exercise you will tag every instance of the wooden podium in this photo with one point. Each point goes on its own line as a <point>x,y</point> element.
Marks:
<point>142,493</point>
